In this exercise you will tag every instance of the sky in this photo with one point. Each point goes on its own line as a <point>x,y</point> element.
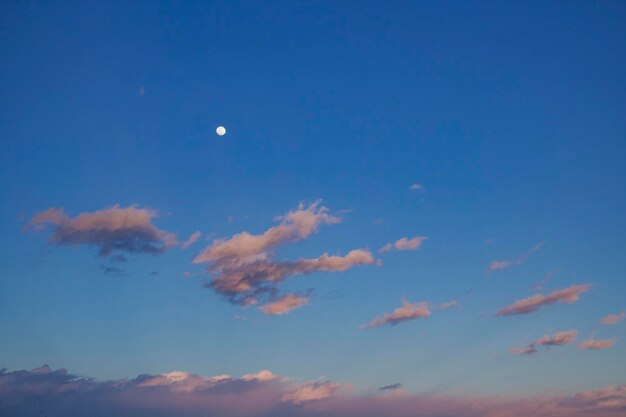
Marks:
<point>411,199</point>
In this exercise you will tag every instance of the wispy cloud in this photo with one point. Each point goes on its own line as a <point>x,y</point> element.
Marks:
<point>557,339</point>
<point>58,393</point>
<point>596,344</point>
<point>533,303</point>
<point>497,265</point>
<point>404,243</point>
<point>115,229</point>
<point>416,187</point>
<point>613,318</point>
<point>285,304</point>
<point>244,268</point>
<point>407,311</point>
<point>193,238</point>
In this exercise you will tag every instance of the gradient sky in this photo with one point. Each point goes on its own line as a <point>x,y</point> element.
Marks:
<point>511,116</point>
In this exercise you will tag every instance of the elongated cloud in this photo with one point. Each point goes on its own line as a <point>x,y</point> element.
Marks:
<point>557,339</point>
<point>285,304</point>
<point>115,229</point>
<point>59,393</point>
<point>193,238</point>
<point>404,244</point>
<point>596,344</point>
<point>405,312</point>
<point>613,318</point>
<point>533,303</point>
<point>416,187</point>
<point>244,269</point>
<point>496,265</point>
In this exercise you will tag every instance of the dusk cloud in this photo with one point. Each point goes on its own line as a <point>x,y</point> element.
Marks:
<point>533,303</point>
<point>613,318</point>
<point>404,244</point>
<point>193,238</point>
<point>285,304</point>
<point>405,312</point>
<point>596,344</point>
<point>115,229</point>
<point>557,339</point>
<point>496,265</point>
<point>244,268</point>
<point>59,393</point>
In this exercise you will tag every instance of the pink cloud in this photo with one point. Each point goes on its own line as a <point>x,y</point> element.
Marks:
<point>596,344</point>
<point>59,393</point>
<point>557,339</point>
<point>285,304</point>
<point>407,311</point>
<point>243,267</point>
<point>122,229</point>
<point>533,303</point>
<point>404,244</point>
<point>497,265</point>
<point>447,305</point>
<point>193,238</point>
<point>613,318</point>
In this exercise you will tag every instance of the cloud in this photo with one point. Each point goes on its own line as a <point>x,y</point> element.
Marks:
<point>193,238</point>
<point>497,265</point>
<point>285,304</point>
<point>58,393</point>
<point>596,344</point>
<point>416,187</point>
<point>391,387</point>
<point>449,304</point>
<point>243,266</point>
<point>557,339</point>
<point>613,318</point>
<point>533,303</point>
<point>405,312</point>
<point>404,244</point>
<point>115,229</point>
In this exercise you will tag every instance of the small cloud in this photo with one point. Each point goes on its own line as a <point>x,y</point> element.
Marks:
<point>416,187</point>
<point>193,238</point>
<point>557,339</point>
<point>112,270</point>
<point>596,344</point>
<point>613,318</point>
<point>533,303</point>
<point>142,91</point>
<point>285,304</point>
<point>407,311</point>
<point>447,305</point>
<point>313,391</point>
<point>497,265</point>
<point>404,244</point>
<point>391,387</point>
<point>154,273</point>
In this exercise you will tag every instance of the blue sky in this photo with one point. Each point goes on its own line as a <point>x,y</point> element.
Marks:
<point>510,115</point>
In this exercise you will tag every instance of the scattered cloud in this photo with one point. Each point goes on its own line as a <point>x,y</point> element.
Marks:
<point>613,318</point>
<point>497,265</point>
<point>193,238</point>
<point>404,244</point>
<point>58,393</point>
<point>112,270</point>
<point>416,187</point>
<point>115,229</point>
<point>557,339</point>
<point>391,387</point>
<point>533,303</point>
<point>405,312</point>
<point>243,266</point>
<point>285,304</point>
<point>447,305</point>
<point>596,344</point>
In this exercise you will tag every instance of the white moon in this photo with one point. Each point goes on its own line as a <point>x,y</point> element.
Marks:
<point>221,130</point>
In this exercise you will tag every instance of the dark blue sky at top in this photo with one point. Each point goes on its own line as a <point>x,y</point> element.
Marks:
<point>512,115</point>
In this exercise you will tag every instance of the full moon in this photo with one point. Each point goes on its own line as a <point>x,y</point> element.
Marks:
<point>221,130</point>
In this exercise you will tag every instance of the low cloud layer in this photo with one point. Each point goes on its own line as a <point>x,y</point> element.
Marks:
<point>535,302</point>
<point>557,339</point>
<point>613,318</point>
<point>243,266</point>
<point>116,229</point>
<point>407,311</point>
<point>404,244</point>
<point>496,265</point>
<point>59,393</point>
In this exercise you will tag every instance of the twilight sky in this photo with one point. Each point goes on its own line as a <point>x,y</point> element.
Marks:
<point>416,205</point>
